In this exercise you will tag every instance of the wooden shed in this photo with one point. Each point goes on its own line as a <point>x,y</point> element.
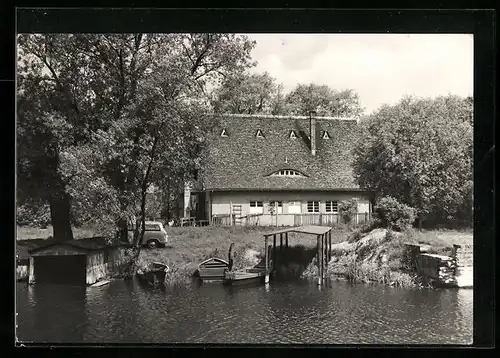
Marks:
<point>77,262</point>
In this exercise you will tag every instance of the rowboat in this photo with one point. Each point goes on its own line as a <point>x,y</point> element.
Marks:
<point>236,278</point>
<point>212,269</point>
<point>154,274</point>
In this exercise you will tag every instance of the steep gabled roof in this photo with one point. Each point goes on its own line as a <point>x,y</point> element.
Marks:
<point>242,161</point>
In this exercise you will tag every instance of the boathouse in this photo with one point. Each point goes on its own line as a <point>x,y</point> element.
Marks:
<point>277,170</point>
<point>77,262</point>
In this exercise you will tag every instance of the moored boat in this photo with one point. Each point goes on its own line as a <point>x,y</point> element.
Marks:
<point>212,269</point>
<point>236,278</point>
<point>154,274</point>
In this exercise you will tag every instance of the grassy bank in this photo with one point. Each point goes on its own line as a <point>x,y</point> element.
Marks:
<point>188,246</point>
<point>379,256</point>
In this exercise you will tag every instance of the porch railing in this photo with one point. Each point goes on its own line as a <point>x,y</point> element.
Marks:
<point>330,219</point>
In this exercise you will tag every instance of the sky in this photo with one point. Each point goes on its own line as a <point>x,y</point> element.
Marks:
<point>381,68</point>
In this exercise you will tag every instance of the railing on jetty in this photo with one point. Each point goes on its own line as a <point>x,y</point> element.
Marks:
<point>327,219</point>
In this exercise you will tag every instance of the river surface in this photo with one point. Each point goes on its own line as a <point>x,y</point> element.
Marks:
<point>298,312</point>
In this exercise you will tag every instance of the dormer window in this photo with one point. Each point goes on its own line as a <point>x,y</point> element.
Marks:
<point>292,135</point>
<point>288,173</point>
<point>223,133</point>
<point>325,135</point>
<point>259,134</point>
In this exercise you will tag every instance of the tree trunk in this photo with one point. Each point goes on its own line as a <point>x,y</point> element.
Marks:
<point>122,230</point>
<point>60,215</point>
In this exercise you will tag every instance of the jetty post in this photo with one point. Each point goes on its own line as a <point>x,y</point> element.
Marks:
<point>281,248</point>
<point>274,253</point>
<point>286,249</point>
<point>318,258</point>
<point>266,259</point>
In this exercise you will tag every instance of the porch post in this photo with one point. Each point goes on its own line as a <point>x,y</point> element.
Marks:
<point>230,213</point>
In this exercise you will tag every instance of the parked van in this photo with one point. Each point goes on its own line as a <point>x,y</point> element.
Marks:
<point>155,234</point>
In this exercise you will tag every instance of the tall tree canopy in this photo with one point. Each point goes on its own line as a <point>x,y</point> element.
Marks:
<point>245,93</point>
<point>98,115</point>
<point>250,93</point>
<point>419,151</point>
<point>323,100</point>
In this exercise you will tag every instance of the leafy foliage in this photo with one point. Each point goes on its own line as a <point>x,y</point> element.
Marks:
<point>347,210</point>
<point>101,117</point>
<point>34,214</point>
<point>394,215</point>
<point>419,152</point>
<point>322,100</point>
<point>245,94</point>
<point>250,93</point>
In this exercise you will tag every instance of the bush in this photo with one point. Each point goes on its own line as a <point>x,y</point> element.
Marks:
<point>347,210</point>
<point>367,227</point>
<point>394,215</point>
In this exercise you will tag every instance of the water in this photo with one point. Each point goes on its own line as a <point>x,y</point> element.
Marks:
<point>299,312</point>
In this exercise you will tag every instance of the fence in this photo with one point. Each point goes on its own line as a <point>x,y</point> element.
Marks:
<point>330,219</point>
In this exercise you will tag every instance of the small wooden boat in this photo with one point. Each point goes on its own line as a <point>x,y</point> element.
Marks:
<point>212,269</point>
<point>154,274</point>
<point>236,278</point>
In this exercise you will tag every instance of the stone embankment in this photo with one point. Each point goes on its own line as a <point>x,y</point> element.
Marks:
<point>383,256</point>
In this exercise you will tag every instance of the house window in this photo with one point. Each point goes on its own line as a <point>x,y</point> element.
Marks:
<point>259,134</point>
<point>223,133</point>
<point>331,206</point>
<point>279,204</point>
<point>292,135</point>
<point>294,207</point>
<point>313,206</point>
<point>287,173</point>
<point>256,207</point>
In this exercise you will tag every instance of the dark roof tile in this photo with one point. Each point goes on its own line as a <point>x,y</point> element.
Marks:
<point>242,161</point>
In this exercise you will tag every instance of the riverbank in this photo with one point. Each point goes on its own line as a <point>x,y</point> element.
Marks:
<point>378,256</point>
<point>355,257</point>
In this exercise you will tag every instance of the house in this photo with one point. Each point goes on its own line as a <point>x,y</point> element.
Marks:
<point>78,262</point>
<point>270,170</point>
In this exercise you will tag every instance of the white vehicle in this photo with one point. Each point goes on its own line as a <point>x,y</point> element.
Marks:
<point>155,235</point>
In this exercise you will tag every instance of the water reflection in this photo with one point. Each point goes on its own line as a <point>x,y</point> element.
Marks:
<point>281,312</point>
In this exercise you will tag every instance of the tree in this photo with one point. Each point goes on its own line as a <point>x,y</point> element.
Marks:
<point>322,100</point>
<point>419,152</point>
<point>245,93</point>
<point>89,130</point>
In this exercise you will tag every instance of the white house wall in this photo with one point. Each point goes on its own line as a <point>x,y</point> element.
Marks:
<point>222,201</point>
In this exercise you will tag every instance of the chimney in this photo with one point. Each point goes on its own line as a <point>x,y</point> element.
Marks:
<point>312,131</point>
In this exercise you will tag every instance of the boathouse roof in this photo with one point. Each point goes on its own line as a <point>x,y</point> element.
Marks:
<point>85,245</point>
<point>250,152</point>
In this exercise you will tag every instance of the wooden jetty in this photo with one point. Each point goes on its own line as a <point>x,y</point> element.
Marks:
<point>324,247</point>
